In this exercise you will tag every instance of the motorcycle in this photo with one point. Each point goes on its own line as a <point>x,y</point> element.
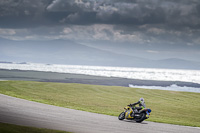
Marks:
<point>139,115</point>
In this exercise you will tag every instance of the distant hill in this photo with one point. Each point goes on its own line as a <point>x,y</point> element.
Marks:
<point>178,64</point>
<point>71,53</point>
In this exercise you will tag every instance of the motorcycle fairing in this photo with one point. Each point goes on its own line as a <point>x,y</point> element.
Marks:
<point>128,112</point>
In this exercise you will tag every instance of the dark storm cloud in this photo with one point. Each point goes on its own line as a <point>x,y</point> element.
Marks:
<point>139,21</point>
<point>23,13</point>
<point>109,11</point>
<point>28,13</point>
<point>137,12</point>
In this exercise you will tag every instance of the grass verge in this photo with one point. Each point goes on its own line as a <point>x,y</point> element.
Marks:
<point>10,128</point>
<point>173,107</point>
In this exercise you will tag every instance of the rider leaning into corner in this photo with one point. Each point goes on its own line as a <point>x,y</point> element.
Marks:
<point>141,106</point>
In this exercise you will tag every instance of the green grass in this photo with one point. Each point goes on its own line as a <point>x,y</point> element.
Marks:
<point>10,128</point>
<point>173,107</point>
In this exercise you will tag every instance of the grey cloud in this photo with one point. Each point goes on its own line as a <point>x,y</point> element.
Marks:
<point>22,13</point>
<point>175,14</point>
<point>132,12</point>
<point>142,21</point>
<point>63,5</point>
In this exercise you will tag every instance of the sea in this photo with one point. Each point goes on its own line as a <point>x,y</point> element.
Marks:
<point>191,76</point>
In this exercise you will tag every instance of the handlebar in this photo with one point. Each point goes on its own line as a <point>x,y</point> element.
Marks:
<point>131,105</point>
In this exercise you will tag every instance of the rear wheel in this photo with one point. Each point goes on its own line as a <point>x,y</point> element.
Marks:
<point>141,117</point>
<point>121,116</point>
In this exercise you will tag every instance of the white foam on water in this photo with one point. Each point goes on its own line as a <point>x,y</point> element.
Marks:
<point>172,87</point>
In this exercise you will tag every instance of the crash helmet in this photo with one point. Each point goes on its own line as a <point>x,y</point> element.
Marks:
<point>141,99</point>
<point>142,102</point>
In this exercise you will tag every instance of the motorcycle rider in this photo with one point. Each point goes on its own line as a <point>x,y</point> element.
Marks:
<point>136,109</point>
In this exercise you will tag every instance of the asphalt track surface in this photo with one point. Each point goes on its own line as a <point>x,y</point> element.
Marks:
<point>28,113</point>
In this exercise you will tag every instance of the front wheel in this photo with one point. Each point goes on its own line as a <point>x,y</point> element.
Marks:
<point>121,116</point>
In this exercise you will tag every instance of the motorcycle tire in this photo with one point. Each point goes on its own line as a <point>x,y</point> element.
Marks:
<point>121,116</point>
<point>142,117</point>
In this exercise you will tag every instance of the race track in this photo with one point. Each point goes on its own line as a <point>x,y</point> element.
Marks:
<point>28,113</point>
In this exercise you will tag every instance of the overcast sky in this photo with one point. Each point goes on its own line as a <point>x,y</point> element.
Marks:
<point>157,28</point>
